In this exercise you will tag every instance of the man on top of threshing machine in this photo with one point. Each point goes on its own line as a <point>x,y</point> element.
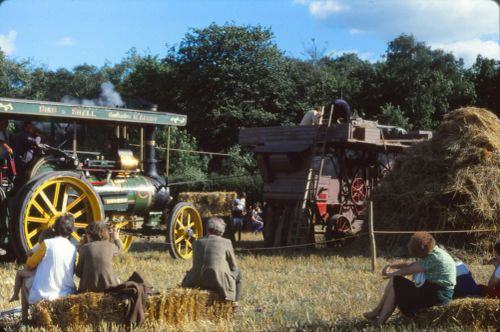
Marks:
<point>90,185</point>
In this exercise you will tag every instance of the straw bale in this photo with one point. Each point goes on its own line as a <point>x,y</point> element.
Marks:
<point>475,313</point>
<point>210,204</point>
<point>173,307</point>
<point>450,182</point>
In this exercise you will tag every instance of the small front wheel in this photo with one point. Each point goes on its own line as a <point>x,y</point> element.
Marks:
<point>184,227</point>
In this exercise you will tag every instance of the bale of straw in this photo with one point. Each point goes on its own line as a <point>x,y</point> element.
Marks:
<point>173,307</point>
<point>475,313</point>
<point>451,182</point>
<point>210,204</point>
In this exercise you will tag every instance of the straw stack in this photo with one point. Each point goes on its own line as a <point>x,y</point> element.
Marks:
<point>210,204</point>
<point>469,313</point>
<point>95,310</point>
<point>451,182</point>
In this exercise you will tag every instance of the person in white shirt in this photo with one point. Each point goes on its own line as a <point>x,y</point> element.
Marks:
<point>239,210</point>
<point>54,261</point>
<point>312,117</point>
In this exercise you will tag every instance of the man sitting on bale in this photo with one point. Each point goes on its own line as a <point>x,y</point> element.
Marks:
<point>54,261</point>
<point>214,264</point>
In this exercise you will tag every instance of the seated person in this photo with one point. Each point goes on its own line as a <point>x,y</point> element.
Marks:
<point>95,260</point>
<point>27,272</point>
<point>466,285</point>
<point>256,220</point>
<point>493,288</point>
<point>54,261</point>
<point>214,264</point>
<point>439,274</point>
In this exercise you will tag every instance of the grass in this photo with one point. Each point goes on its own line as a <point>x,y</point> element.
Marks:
<point>323,289</point>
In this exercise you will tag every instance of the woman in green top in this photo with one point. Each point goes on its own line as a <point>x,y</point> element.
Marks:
<point>439,273</point>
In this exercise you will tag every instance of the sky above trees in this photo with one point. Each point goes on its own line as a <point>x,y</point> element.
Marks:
<point>61,33</point>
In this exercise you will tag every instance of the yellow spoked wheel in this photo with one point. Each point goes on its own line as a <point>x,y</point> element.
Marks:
<point>125,239</point>
<point>45,198</point>
<point>184,227</point>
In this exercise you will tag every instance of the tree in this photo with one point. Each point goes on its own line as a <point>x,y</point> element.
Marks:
<point>485,75</point>
<point>228,76</point>
<point>425,83</point>
<point>393,116</point>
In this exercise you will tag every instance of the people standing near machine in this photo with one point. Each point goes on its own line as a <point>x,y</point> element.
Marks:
<point>341,111</point>
<point>238,210</point>
<point>24,145</point>
<point>214,264</point>
<point>312,117</point>
<point>5,149</point>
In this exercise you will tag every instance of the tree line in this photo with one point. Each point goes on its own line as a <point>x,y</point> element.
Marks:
<point>228,76</point>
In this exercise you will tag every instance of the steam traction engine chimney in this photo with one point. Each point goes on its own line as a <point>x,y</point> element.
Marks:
<point>150,153</point>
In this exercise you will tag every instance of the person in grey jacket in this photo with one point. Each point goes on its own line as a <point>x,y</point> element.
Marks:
<point>214,264</point>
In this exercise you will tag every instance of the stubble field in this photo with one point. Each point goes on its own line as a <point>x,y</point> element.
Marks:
<point>323,289</point>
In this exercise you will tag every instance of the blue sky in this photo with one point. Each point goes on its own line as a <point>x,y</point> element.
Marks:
<point>71,32</point>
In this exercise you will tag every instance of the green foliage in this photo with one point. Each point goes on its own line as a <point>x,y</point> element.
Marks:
<point>229,76</point>
<point>393,116</point>
<point>183,165</point>
<point>225,77</point>
<point>425,83</point>
<point>485,76</point>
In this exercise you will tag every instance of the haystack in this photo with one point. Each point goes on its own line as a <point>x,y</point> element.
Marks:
<point>210,204</point>
<point>470,313</point>
<point>172,307</point>
<point>451,182</point>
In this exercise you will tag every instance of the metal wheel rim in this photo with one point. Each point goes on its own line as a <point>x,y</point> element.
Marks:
<point>52,198</point>
<point>187,227</point>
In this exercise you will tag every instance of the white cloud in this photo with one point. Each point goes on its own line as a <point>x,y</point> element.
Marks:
<point>432,21</point>
<point>367,56</point>
<point>469,49</point>
<point>7,42</point>
<point>325,8</point>
<point>66,42</point>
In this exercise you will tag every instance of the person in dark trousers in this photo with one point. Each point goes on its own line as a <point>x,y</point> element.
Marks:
<point>24,145</point>
<point>5,148</point>
<point>341,111</point>
<point>214,264</point>
<point>437,280</point>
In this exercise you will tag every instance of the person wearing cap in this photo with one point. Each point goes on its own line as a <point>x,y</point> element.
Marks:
<point>24,144</point>
<point>54,261</point>
<point>214,264</point>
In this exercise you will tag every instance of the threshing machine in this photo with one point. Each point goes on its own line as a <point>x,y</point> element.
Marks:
<point>317,178</point>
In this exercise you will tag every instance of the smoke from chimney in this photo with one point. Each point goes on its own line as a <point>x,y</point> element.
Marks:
<point>108,97</point>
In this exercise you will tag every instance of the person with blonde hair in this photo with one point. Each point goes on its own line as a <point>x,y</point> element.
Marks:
<point>434,286</point>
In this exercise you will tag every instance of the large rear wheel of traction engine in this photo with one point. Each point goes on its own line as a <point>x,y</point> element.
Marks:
<point>184,227</point>
<point>43,199</point>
